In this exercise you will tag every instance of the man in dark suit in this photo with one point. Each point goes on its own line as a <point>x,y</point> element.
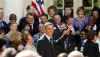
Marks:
<point>34,24</point>
<point>45,45</point>
<point>3,24</point>
<point>91,48</point>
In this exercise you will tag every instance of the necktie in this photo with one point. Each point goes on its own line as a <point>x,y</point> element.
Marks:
<point>51,42</point>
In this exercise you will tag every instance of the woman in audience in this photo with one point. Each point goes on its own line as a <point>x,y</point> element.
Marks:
<point>26,27</point>
<point>28,41</point>
<point>15,41</point>
<point>13,27</point>
<point>81,20</point>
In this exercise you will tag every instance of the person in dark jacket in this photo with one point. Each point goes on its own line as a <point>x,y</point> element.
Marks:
<point>3,24</point>
<point>45,46</point>
<point>91,47</point>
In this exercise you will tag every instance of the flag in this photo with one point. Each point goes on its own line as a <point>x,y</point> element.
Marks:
<point>38,6</point>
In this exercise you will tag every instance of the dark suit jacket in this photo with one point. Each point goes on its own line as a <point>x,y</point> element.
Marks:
<point>44,48</point>
<point>5,26</point>
<point>35,25</point>
<point>91,49</point>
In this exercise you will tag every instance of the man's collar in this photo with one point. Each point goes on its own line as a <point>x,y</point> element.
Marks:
<point>47,36</point>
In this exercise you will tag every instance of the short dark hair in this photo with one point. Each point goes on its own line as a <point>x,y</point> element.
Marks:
<point>29,14</point>
<point>52,7</point>
<point>45,15</point>
<point>28,7</point>
<point>91,35</point>
<point>2,42</point>
<point>12,15</point>
<point>68,17</point>
<point>67,7</point>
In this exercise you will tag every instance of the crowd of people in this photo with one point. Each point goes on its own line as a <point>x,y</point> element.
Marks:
<point>52,34</point>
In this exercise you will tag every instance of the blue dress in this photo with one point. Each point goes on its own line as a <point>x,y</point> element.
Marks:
<point>81,24</point>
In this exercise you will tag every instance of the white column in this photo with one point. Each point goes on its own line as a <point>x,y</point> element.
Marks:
<point>1,3</point>
<point>13,6</point>
<point>76,4</point>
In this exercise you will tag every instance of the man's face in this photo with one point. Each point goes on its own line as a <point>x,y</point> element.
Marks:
<point>49,30</point>
<point>70,21</point>
<point>30,19</point>
<point>51,12</point>
<point>95,14</point>
<point>44,19</point>
<point>1,14</point>
<point>67,11</point>
<point>57,19</point>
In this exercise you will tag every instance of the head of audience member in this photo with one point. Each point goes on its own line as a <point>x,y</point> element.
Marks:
<point>12,18</point>
<point>83,34</point>
<point>69,21</point>
<point>52,10</point>
<point>27,38</point>
<point>63,26</point>
<point>67,11</point>
<point>49,29</point>
<point>30,18</point>
<point>26,27</point>
<point>75,54</point>
<point>62,55</point>
<point>9,52</point>
<point>27,53</point>
<point>1,13</point>
<point>13,27</point>
<point>88,27</point>
<point>92,36</point>
<point>57,19</point>
<point>44,18</point>
<point>2,46</point>
<point>96,12</point>
<point>30,9</point>
<point>15,40</point>
<point>41,28</point>
<point>80,11</point>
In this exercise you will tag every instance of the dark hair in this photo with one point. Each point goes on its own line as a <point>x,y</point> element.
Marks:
<point>1,8</point>
<point>28,7</point>
<point>96,9</point>
<point>24,25</point>
<point>29,14</point>
<point>11,15</point>
<point>91,35</point>
<point>67,7</point>
<point>45,15</point>
<point>2,43</point>
<point>80,8</point>
<point>2,30</point>
<point>52,7</point>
